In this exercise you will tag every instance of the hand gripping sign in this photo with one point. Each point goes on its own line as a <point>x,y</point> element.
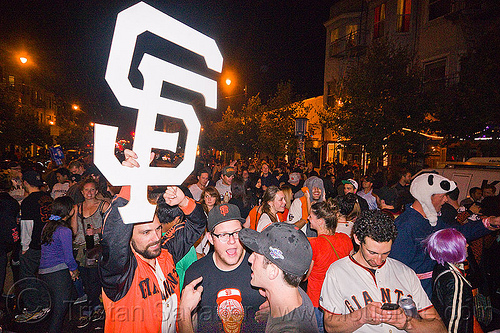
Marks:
<point>131,23</point>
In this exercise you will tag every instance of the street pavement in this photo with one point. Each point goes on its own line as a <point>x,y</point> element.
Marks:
<point>70,323</point>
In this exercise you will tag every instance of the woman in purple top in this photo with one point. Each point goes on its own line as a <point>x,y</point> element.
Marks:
<point>58,267</point>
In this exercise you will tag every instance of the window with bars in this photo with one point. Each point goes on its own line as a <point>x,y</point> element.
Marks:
<point>435,74</point>
<point>379,21</point>
<point>404,15</point>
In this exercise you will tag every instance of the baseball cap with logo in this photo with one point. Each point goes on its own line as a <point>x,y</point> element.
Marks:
<point>223,213</point>
<point>283,244</point>
<point>228,171</point>
<point>33,178</point>
<point>352,182</point>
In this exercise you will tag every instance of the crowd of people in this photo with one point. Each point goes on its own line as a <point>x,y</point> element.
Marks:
<point>252,246</point>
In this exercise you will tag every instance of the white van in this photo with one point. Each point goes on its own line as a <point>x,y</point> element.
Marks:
<point>476,172</point>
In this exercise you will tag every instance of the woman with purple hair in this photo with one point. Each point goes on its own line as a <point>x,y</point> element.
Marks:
<point>451,292</point>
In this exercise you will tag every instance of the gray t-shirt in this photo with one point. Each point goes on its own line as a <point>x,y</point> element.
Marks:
<point>300,320</point>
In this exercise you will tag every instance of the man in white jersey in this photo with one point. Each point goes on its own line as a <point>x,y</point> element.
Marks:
<point>356,287</point>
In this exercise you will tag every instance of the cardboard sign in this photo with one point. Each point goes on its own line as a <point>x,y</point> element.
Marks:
<point>131,23</point>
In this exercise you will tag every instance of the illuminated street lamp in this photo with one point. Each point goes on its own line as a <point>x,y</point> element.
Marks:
<point>231,86</point>
<point>75,107</point>
<point>23,60</point>
<point>300,133</point>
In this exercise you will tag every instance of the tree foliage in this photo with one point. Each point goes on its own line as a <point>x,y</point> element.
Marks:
<point>257,127</point>
<point>380,95</point>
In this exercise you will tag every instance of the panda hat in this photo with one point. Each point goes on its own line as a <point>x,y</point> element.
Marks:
<point>424,186</point>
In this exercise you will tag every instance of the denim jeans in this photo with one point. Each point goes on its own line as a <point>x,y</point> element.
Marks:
<point>34,293</point>
<point>62,293</point>
<point>319,319</point>
<point>93,288</point>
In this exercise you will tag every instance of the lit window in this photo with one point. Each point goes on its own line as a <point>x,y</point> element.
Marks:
<point>404,14</point>
<point>334,35</point>
<point>351,32</point>
<point>379,20</point>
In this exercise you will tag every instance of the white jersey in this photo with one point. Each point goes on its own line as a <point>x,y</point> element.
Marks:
<point>295,214</point>
<point>348,287</point>
<point>345,227</point>
<point>264,222</point>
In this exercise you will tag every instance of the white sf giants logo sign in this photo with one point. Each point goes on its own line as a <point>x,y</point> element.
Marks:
<point>131,23</point>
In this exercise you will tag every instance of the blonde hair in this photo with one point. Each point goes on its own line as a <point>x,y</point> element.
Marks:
<point>287,191</point>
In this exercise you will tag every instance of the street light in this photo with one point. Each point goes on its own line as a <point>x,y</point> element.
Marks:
<point>232,84</point>
<point>75,107</point>
<point>23,60</point>
<point>300,133</point>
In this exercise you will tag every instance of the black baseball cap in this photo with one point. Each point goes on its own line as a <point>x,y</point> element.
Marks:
<point>228,171</point>
<point>33,178</point>
<point>283,244</point>
<point>223,213</point>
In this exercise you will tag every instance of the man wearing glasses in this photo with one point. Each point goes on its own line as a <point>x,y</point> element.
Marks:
<point>228,302</point>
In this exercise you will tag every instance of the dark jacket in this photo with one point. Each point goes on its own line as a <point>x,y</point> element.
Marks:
<point>118,264</point>
<point>452,298</point>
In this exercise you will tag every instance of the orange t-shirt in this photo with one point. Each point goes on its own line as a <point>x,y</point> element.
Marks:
<point>323,257</point>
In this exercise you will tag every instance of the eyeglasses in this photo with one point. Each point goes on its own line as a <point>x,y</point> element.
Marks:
<point>224,237</point>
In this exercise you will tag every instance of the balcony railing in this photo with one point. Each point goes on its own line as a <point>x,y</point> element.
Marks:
<point>347,46</point>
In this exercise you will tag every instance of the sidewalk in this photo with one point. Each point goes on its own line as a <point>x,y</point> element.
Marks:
<point>70,323</point>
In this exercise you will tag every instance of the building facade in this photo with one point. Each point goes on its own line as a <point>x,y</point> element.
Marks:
<point>439,32</point>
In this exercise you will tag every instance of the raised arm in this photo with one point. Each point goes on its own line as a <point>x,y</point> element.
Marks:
<point>118,264</point>
<point>181,237</point>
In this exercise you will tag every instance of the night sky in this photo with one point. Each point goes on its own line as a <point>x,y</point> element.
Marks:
<point>262,42</point>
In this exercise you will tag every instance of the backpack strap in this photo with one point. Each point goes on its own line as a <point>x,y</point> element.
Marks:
<point>330,245</point>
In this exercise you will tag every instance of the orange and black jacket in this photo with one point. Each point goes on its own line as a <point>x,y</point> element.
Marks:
<point>132,298</point>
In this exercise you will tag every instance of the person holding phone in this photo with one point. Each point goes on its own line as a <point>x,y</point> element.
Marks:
<point>356,287</point>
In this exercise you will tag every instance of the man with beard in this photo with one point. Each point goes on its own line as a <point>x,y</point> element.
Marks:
<point>312,192</point>
<point>228,302</point>
<point>137,269</point>
<point>356,287</point>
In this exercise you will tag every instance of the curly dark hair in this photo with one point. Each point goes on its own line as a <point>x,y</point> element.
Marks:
<point>348,205</point>
<point>375,224</point>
